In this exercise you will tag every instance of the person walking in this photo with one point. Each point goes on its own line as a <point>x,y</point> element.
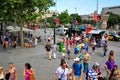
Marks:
<point>114,73</point>
<point>54,50</point>
<point>62,73</point>
<point>111,53</point>
<point>105,48</point>
<point>76,49</point>
<point>12,72</point>
<point>109,65</point>
<point>92,74</point>
<point>68,48</point>
<point>83,46</point>
<point>93,46</point>
<point>86,58</point>
<point>86,45</point>
<point>48,48</point>
<point>1,74</point>
<point>28,72</point>
<point>77,69</point>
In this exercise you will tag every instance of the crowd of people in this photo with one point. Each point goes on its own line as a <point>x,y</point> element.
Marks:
<point>81,66</point>
<point>65,71</point>
<point>12,39</point>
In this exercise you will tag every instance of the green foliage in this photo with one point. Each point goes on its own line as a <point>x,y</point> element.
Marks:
<point>113,19</point>
<point>22,10</point>
<point>50,20</point>
<point>64,17</point>
<point>76,17</point>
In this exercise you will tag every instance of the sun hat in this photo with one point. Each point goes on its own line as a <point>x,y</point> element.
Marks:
<point>76,59</point>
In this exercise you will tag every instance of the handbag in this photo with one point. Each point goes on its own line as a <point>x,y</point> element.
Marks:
<point>7,76</point>
<point>61,75</point>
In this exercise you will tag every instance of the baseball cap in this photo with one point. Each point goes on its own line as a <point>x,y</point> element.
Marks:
<point>76,59</point>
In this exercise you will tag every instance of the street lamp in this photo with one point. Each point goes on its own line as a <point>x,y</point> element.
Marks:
<point>97,15</point>
<point>45,22</point>
<point>54,18</point>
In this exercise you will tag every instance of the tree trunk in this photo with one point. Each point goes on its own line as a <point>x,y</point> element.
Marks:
<point>21,31</point>
<point>21,36</point>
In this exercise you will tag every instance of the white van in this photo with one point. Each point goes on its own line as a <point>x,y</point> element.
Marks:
<point>61,31</point>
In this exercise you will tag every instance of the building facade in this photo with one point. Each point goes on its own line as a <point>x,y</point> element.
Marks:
<point>88,16</point>
<point>49,13</point>
<point>114,9</point>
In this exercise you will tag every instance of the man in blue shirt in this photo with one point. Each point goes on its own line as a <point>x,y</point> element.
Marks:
<point>77,69</point>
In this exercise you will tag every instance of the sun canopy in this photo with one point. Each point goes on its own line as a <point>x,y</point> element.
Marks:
<point>15,29</point>
<point>96,31</point>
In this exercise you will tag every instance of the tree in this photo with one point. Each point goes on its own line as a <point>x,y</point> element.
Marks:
<point>64,17</point>
<point>18,11</point>
<point>76,17</point>
<point>113,19</point>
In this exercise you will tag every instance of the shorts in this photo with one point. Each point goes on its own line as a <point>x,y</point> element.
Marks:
<point>93,48</point>
<point>68,52</point>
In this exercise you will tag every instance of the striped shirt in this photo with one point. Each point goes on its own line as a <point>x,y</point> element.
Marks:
<point>92,74</point>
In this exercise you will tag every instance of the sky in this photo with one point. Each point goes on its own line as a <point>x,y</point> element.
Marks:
<point>83,6</point>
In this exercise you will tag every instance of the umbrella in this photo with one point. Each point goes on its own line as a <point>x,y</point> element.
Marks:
<point>9,27</point>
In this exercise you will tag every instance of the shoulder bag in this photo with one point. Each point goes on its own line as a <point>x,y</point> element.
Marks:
<point>61,75</point>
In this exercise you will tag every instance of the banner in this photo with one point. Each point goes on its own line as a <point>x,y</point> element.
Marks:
<point>95,16</point>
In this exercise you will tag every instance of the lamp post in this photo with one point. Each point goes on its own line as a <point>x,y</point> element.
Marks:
<point>54,18</point>
<point>45,22</point>
<point>97,14</point>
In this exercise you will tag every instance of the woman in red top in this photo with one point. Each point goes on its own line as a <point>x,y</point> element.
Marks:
<point>68,47</point>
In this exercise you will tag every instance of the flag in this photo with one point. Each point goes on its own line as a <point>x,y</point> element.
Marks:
<point>57,20</point>
<point>88,29</point>
<point>95,16</point>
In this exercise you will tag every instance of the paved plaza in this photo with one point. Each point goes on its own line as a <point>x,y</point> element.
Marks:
<point>44,68</point>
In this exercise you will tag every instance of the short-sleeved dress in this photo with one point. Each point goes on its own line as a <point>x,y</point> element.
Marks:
<point>12,74</point>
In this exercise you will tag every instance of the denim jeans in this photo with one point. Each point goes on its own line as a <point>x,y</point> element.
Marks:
<point>86,67</point>
<point>105,51</point>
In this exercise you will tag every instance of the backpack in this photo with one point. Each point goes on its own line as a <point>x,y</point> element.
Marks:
<point>76,49</point>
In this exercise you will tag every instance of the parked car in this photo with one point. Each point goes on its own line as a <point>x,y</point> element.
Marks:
<point>114,37</point>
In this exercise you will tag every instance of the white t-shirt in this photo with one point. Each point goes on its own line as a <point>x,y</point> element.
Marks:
<point>60,71</point>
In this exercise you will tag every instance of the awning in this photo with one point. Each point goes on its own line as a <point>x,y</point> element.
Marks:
<point>96,31</point>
